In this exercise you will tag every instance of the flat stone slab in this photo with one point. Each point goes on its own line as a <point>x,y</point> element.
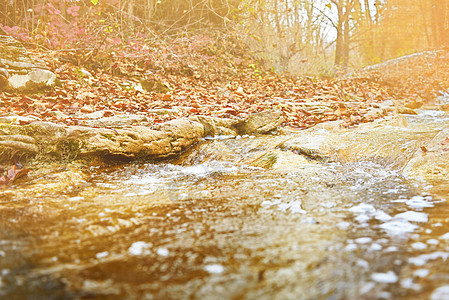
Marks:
<point>124,141</point>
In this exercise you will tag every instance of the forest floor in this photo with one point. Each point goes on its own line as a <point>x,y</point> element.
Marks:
<point>209,78</point>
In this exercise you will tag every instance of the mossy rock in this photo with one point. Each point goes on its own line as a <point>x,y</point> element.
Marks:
<point>154,86</point>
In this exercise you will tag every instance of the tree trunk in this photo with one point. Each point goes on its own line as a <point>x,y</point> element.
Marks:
<point>346,41</point>
<point>339,41</point>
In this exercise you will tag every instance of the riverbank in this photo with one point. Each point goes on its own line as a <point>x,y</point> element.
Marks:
<point>125,112</point>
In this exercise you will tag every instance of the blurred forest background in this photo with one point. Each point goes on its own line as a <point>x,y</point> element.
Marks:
<point>297,36</point>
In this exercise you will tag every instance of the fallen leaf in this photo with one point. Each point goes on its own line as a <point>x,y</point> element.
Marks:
<point>13,173</point>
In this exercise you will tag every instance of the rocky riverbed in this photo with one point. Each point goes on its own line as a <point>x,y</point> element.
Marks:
<point>327,212</point>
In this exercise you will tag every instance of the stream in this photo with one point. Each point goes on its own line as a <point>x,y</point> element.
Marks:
<point>210,225</point>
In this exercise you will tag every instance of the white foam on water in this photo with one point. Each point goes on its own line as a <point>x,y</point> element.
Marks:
<point>441,293</point>
<point>375,247</point>
<point>147,179</point>
<point>391,191</point>
<point>295,207</point>
<point>407,283</point>
<point>421,260</point>
<point>138,248</point>
<point>445,236</point>
<point>413,216</point>
<point>432,242</point>
<point>351,247</point>
<point>362,218</point>
<point>421,273</point>
<point>162,252</point>
<point>363,240</point>
<point>78,198</point>
<point>419,246</point>
<point>382,216</point>
<point>198,170</point>
<point>366,212</point>
<point>343,225</point>
<point>363,263</point>
<point>398,227</point>
<point>292,206</point>
<point>367,287</point>
<point>419,202</point>
<point>389,277</point>
<point>102,254</point>
<point>362,208</point>
<point>214,269</point>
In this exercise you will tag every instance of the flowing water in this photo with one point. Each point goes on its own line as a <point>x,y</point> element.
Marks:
<point>209,225</point>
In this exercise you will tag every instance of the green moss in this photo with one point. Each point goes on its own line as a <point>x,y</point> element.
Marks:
<point>68,150</point>
<point>154,86</point>
<point>266,160</point>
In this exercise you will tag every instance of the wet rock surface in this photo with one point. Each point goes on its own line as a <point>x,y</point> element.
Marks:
<point>19,72</point>
<point>321,213</point>
<point>17,147</point>
<point>431,161</point>
<point>120,140</point>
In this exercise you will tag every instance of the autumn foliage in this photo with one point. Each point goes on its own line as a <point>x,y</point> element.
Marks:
<point>112,61</point>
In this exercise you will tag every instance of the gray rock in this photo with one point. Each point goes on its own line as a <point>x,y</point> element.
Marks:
<point>137,142</point>
<point>20,73</point>
<point>184,133</point>
<point>262,122</point>
<point>218,126</point>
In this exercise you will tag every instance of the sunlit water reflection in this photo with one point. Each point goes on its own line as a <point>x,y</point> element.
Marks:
<point>209,226</point>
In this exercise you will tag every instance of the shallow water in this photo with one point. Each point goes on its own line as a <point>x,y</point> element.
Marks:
<point>208,225</point>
